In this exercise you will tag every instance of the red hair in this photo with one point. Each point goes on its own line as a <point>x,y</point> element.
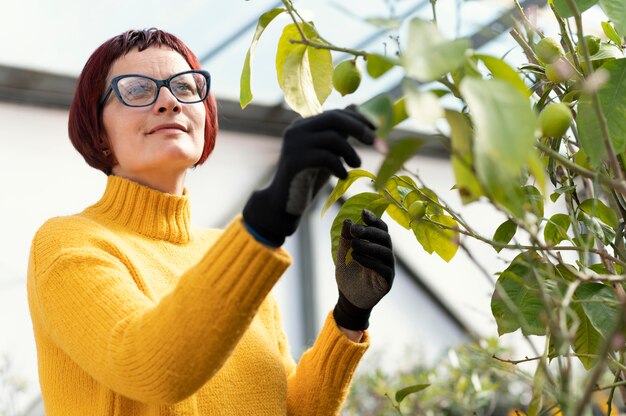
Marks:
<point>85,120</point>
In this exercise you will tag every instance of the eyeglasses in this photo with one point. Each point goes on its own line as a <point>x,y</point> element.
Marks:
<point>135,90</point>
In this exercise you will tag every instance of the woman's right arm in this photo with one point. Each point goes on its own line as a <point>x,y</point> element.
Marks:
<point>86,298</point>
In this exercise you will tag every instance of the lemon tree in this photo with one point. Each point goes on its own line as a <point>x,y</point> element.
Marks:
<point>549,133</point>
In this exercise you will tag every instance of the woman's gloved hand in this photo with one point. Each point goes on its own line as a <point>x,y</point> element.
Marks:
<point>313,149</point>
<point>368,277</point>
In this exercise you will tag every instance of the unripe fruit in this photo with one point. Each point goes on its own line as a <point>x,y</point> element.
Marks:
<point>417,210</point>
<point>548,50</point>
<point>593,45</point>
<point>555,119</point>
<point>346,77</point>
<point>559,71</point>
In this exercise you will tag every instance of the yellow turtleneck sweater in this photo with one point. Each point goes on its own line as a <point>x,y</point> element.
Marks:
<point>136,312</point>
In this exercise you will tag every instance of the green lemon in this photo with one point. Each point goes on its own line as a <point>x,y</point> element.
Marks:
<point>417,210</point>
<point>548,50</point>
<point>555,119</point>
<point>557,72</point>
<point>593,45</point>
<point>346,77</point>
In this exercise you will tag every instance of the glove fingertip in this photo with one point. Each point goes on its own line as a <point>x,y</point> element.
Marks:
<point>346,227</point>
<point>372,219</point>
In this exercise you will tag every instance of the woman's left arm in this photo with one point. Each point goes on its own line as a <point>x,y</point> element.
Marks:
<point>320,382</point>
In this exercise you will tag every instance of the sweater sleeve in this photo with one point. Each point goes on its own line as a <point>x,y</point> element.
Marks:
<point>319,384</point>
<point>88,302</point>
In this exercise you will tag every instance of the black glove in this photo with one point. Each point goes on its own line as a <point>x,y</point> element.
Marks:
<point>313,149</point>
<point>368,277</point>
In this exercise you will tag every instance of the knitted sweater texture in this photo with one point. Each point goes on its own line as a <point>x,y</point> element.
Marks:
<point>135,312</point>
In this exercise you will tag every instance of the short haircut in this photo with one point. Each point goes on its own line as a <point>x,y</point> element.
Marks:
<point>85,126</point>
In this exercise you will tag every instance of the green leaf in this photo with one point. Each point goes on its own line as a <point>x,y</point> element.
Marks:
<point>505,127</point>
<point>606,52</point>
<point>535,405</point>
<point>501,70</point>
<point>245,92</point>
<point>422,106</point>
<point>428,54</point>
<point>434,238</point>
<point>462,159</point>
<point>401,151</point>
<point>401,394</point>
<point>396,209</point>
<point>399,112</point>
<point>612,96</point>
<point>387,23</point>
<point>505,232</point>
<point>587,339</point>
<point>537,169</point>
<point>352,209</point>
<point>585,240</point>
<point>610,33</point>
<point>562,190</point>
<point>598,209</point>
<point>599,230</point>
<point>343,185</point>
<point>564,10</point>
<point>520,285</point>
<point>600,305</point>
<point>304,73</point>
<point>616,11</point>
<point>556,229</point>
<point>377,65</point>
<point>379,110</point>
<point>566,272</point>
<point>533,200</point>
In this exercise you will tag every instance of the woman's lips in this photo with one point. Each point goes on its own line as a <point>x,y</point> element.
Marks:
<point>168,128</point>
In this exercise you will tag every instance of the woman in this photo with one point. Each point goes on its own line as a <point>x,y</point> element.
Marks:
<point>136,312</point>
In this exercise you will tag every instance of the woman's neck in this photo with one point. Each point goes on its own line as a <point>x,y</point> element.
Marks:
<point>169,182</point>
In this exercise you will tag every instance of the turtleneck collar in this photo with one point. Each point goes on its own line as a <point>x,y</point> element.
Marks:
<point>152,213</point>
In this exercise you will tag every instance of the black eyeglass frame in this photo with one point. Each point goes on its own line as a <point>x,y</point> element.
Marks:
<point>159,83</point>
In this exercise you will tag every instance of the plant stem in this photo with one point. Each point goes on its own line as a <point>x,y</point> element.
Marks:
<point>432,4</point>
<point>600,365</point>
<point>619,185</point>
<point>317,45</point>
<point>290,10</point>
<point>568,40</point>
<point>604,130</point>
<point>530,54</point>
<point>529,26</point>
<point>601,253</point>
<point>330,47</point>
<point>609,400</point>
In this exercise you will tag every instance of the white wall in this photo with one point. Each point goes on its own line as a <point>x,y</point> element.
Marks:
<point>41,176</point>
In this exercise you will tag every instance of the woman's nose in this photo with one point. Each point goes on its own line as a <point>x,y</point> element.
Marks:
<point>166,101</point>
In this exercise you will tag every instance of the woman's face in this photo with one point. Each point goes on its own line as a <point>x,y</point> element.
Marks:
<point>164,138</point>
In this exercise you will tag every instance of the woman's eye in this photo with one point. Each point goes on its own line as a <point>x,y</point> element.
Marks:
<point>138,90</point>
<point>183,88</point>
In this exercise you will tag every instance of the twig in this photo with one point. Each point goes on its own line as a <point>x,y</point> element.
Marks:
<point>433,3</point>
<point>290,10</point>
<point>527,23</point>
<point>318,45</point>
<point>604,130</point>
<point>619,185</point>
<point>600,365</point>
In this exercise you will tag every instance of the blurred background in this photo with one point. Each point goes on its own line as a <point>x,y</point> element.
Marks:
<point>434,305</point>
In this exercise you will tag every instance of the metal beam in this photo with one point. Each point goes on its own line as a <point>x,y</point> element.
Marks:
<point>207,56</point>
<point>28,86</point>
<point>486,34</point>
